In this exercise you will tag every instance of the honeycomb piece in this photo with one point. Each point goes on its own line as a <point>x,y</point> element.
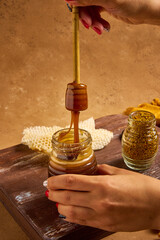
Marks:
<point>39,138</point>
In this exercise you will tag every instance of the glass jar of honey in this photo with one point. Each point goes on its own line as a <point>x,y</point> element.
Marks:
<point>140,140</point>
<point>69,157</point>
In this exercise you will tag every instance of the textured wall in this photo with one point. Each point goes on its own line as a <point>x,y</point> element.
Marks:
<point>121,68</point>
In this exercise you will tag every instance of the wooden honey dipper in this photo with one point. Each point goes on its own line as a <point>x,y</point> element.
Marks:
<point>76,99</point>
<point>77,152</point>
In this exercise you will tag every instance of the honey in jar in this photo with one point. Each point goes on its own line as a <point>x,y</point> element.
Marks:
<point>70,157</point>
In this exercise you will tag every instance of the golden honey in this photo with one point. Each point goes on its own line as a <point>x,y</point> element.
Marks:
<point>70,157</point>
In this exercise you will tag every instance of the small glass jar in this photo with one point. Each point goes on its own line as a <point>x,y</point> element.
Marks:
<point>140,140</point>
<point>69,157</point>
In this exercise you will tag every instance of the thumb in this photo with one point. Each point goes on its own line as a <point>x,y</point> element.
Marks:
<point>105,169</point>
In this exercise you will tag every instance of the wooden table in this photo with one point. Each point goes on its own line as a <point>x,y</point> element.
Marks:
<point>22,172</point>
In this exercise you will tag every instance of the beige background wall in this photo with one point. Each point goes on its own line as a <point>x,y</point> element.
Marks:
<point>121,68</point>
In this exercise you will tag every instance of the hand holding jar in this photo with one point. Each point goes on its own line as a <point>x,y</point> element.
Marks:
<point>114,200</point>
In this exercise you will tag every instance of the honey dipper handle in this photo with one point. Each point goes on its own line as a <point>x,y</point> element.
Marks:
<point>76,57</point>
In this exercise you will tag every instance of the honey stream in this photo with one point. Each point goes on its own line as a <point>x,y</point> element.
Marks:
<point>75,122</point>
<point>76,100</point>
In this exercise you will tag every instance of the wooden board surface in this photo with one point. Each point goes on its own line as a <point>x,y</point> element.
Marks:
<point>22,172</point>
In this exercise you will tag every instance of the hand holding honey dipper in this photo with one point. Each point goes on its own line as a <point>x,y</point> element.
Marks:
<point>133,12</point>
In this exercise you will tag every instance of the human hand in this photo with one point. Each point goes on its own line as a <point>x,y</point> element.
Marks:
<point>116,200</point>
<point>134,12</point>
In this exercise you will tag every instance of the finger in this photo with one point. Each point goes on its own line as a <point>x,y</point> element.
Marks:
<point>97,27</point>
<point>72,182</point>
<point>106,25</point>
<point>105,169</point>
<point>76,214</point>
<point>95,16</point>
<point>85,16</point>
<point>75,198</point>
<point>91,16</point>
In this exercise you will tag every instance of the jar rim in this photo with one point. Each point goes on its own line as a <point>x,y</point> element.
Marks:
<point>68,144</point>
<point>142,111</point>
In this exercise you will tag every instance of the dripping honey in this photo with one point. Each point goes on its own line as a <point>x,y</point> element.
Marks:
<point>72,147</point>
<point>76,100</point>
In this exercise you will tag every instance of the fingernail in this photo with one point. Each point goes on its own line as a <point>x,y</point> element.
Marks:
<point>61,216</point>
<point>107,29</point>
<point>47,193</point>
<point>97,30</point>
<point>45,183</point>
<point>69,7</point>
<point>57,204</point>
<point>85,24</point>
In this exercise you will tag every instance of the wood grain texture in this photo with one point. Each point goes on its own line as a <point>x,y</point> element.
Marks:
<point>22,172</point>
